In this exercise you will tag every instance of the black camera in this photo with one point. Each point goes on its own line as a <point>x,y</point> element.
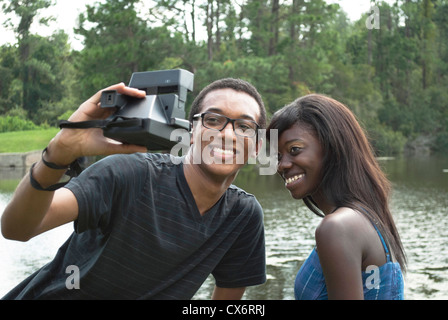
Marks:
<point>150,121</point>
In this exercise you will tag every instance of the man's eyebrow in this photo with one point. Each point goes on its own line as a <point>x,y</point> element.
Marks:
<point>218,110</point>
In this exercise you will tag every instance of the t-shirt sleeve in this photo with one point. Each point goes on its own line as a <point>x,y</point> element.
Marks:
<point>245,263</point>
<point>103,189</point>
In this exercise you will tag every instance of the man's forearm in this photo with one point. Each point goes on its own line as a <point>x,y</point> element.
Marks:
<point>28,206</point>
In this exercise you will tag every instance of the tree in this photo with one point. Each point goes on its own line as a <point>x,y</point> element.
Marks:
<point>120,43</point>
<point>394,78</point>
<point>29,68</point>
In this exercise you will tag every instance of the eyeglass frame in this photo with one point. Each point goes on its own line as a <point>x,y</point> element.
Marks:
<point>201,115</point>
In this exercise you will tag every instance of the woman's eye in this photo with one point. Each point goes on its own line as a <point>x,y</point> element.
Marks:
<point>295,150</point>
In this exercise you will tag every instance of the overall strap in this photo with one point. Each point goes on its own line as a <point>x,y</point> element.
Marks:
<point>386,249</point>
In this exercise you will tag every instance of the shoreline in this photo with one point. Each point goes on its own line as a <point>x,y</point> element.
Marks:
<point>13,166</point>
<point>19,159</point>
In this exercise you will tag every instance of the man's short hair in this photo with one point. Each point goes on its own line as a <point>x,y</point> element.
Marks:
<point>230,83</point>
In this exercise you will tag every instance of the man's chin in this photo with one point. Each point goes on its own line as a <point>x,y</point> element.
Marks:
<point>223,170</point>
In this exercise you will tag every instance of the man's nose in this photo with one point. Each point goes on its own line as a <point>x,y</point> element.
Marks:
<point>228,130</point>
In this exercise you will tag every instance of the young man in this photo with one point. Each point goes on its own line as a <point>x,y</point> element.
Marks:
<point>148,227</point>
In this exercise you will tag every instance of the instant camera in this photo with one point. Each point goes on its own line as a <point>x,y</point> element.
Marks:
<point>148,121</point>
<point>151,120</point>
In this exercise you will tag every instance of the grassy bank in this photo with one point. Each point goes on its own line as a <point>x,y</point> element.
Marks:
<point>24,141</point>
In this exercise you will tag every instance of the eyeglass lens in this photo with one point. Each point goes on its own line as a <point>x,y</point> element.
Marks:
<point>218,122</point>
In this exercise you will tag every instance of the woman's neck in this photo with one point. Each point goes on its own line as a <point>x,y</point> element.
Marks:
<point>322,203</point>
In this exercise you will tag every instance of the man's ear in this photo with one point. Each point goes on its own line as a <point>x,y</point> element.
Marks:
<point>191,133</point>
<point>193,128</point>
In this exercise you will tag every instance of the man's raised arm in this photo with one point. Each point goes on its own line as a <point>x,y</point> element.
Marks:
<point>31,210</point>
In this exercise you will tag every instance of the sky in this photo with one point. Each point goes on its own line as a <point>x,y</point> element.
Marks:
<point>66,13</point>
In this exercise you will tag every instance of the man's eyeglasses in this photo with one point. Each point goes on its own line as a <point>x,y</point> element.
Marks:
<point>242,127</point>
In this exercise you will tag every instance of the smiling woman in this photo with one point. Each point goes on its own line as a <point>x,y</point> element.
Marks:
<point>325,159</point>
<point>302,177</point>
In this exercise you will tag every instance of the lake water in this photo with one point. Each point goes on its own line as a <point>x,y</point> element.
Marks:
<point>419,204</point>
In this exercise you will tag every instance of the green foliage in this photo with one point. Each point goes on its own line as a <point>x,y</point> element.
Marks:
<point>14,123</point>
<point>384,140</point>
<point>394,78</point>
<point>120,43</point>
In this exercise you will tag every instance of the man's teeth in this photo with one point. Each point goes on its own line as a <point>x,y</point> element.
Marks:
<point>292,179</point>
<point>216,149</point>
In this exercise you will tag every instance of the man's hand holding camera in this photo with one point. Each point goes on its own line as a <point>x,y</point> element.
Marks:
<point>70,144</point>
<point>29,214</point>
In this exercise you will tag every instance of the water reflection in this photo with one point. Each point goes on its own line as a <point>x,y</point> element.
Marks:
<point>19,259</point>
<point>422,219</point>
<point>419,204</point>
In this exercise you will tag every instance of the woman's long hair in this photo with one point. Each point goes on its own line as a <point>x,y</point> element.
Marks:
<point>351,176</point>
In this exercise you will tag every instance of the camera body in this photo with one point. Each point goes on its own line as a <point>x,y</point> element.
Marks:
<point>150,121</point>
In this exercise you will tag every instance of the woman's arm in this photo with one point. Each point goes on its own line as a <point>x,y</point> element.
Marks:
<point>340,254</point>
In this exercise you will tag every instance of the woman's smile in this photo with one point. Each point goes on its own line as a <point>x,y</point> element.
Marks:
<point>292,181</point>
<point>300,160</point>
